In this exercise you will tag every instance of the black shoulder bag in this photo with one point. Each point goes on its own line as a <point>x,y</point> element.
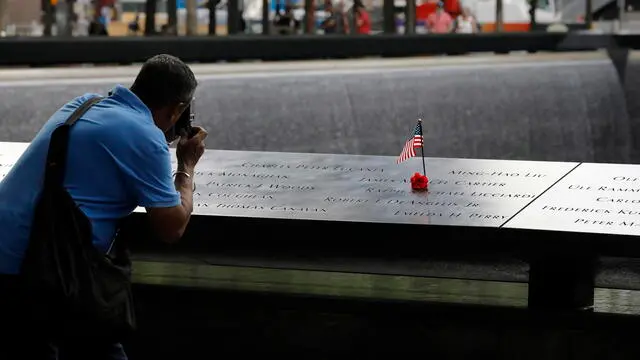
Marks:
<point>75,290</point>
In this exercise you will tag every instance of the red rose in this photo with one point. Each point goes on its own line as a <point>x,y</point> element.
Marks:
<point>419,182</point>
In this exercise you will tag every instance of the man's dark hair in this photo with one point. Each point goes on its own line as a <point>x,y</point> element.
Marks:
<point>164,80</point>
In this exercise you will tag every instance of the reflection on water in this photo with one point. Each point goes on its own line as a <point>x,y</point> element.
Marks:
<point>361,285</point>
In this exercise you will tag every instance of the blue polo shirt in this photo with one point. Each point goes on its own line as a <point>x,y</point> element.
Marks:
<point>118,160</point>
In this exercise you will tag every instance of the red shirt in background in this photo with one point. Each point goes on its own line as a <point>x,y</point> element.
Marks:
<point>429,7</point>
<point>452,7</point>
<point>364,24</point>
<point>423,11</point>
<point>439,22</point>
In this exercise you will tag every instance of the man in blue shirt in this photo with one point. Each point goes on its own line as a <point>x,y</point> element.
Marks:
<point>118,160</point>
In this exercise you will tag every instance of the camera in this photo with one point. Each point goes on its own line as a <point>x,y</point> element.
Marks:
<point>182,127</point>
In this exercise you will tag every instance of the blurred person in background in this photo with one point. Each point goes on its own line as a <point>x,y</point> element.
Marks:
<point>466,23</point>
<point>134,25</point>
<point>83,10</point>
<point>285,23</point>
<point>97,27</point>
<point>440,22</point>
<point>361,18</point>
<point>106,15</point>
<point>336,22</point>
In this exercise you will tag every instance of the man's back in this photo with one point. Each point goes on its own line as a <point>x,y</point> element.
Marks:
<point>118,160</point>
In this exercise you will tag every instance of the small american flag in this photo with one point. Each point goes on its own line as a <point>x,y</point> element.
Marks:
<point>414,142</point>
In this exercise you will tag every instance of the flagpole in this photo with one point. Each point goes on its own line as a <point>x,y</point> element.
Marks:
<point>424,168</point>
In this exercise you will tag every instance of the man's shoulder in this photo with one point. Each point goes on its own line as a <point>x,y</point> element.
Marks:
<point>123,120</point>
<point>76,102</point>
<point>122,128</point>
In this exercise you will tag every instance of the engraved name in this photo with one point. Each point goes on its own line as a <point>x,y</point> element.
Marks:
<point>431,181</point>
<point>625,178</point>
<point>480,183</point>
<point>447,193</point>
<point>417,213</point>
<point>262,207</point>
<point>240,174</point>
<point>487,216</point>
<point>607,223</point>
<point>311,167</point>
<point>346,200</point>
<point>416,202</point>
<point>262,186</point>
<point>575,209</point>
<point>496,174</point>
<point>604,188</point>
<point>503,195</point>
<point>385,190</point>
<point>381,180</point>
<point>234,196</point>
<point>621,201</point>
<point>590,210</point>
<point>617,189</point>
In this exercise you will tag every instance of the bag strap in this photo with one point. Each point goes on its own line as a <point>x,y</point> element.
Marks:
<point>59,145</point>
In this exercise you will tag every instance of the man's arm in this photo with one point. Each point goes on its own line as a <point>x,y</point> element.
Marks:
<point>169,223</point>
<point>169,202</point>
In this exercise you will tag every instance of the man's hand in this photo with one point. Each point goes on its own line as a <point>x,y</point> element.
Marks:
<point>189,150</point>
<point>170,222</point>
